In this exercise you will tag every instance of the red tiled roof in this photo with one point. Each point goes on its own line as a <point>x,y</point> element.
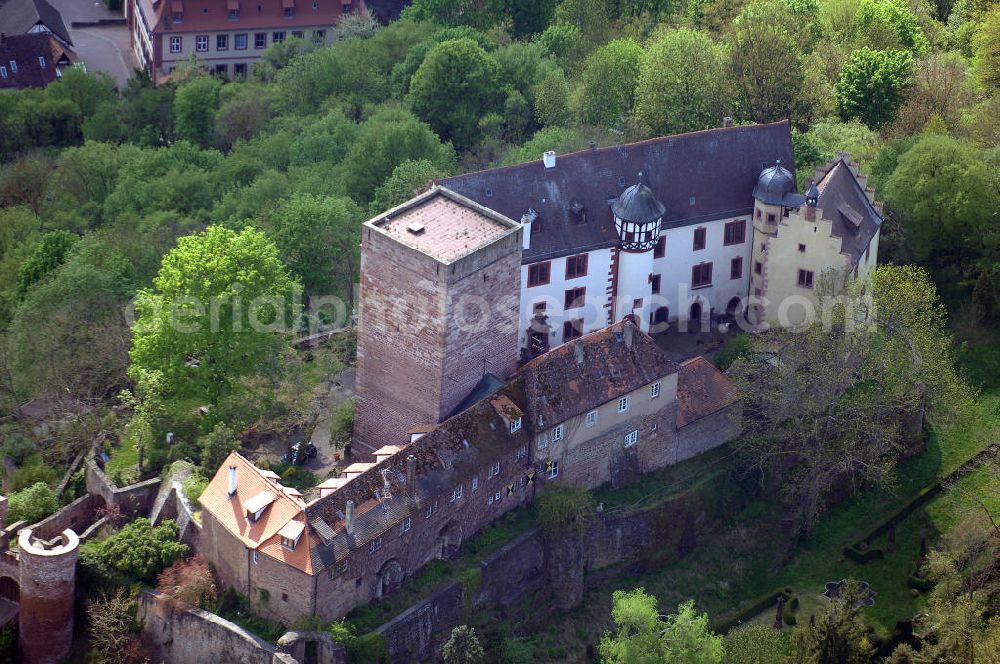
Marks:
<point>213,15</point>
<point>702,390</point>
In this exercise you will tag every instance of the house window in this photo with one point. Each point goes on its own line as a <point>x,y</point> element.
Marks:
<point>660,250</point>
<point>631,438</point>
<point>591,418</point>
<point>240,41</point>
<point>298,34</point>
<point>699,239</point>
<point>538,274</point>
<point>542,440</point>
<point>735,232</point>
<point>494,470</point>
<point>456,493</point>
<point>623,404</point>
<point>654,281</point>
<point>345,8</point>
<point>574,298</point>
<point>552,469</point>
<point>288,543</point>
<point>256,556</point>
<point>805,278</point>
<point>288,12</point>
<point>475,483</point>
<point>736,268</point>
<point>13,66</point>
<point>259,40</point>
<point>319,36</point>
<point>758,267</point>
<point>176,43</point>
<point>770,218</point>
<point>701,275</point>
<point>637,303</point>
<point>240,70</point>
<point>572,329</point>
<point>337,569</point>
<point>201,43</point>
<point>654,390</point>
<point>431,510</point>
<point>802,248</point>
<point>515,425</point>
<point>41,63</point>
<point>558,433</point>
<point>234,14</point>
<point>277,37</point>
<point>3,72</point>
<point>405,525</point>
<point>576,266</point>
<point>177,17</point>
<point>539,308</point>
<point>222,71</point>
<point>221,42</point>
<point>375,545</point>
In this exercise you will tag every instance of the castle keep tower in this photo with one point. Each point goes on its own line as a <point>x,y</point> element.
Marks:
<point>48,577</point>
<point>774,198</point>
<point>637,219</point>
<point>440,292</point>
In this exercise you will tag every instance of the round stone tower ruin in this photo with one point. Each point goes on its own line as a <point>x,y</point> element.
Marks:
<point>48,577</point>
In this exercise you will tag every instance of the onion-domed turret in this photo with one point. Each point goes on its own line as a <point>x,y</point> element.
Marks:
<point>774,185</point>
<point>637,217</point>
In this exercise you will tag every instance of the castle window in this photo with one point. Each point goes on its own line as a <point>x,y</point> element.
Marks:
<point>771,218</point>
<point>552,469</point>
<point>475,483</point>
<point>572,329</point>
<point>701,275</point>
<point>521,453</point>
<point>735,232</point>
<point>538,274</point>
<point>405,525</point>
<point>623,404</point>
<point>375,545</point>
<point>758,267</point>
<point>736,268</point>
<point>758,213</point>
<point>284,597</point>
<point>654,390</point>
<point>699,239</point>
<point>802,248</point>
<point>805,278</point>
<point>630,237</point>
<point>574,298</point>
<point>256,556</point>
<point>591,418</point>
<point>542,440</point>
<point>538,308</point>
<point>637,304</point>
<point>456,493</point>
<point>494,470</point>
<point>515,425</point>
<point>558,433</point>
<point>631,438</point>
<point>337,569</point>
<point>576,266</point>
<point>660,250</point>
<point>494,498</point>
<point>431,510</point>
<point>654,283</point>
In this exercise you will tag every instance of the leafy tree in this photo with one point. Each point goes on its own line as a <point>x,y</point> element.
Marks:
<point>986,50</point>
<point>608,82</point>
<point>188,584</point>
<point>113,629</point>
<point>839,636</point>
<point>559,139</point>
<point>478,14</point>
<point>941,190</point>
<point>872,84</point>
<point>680,87</point>
<point>318,240</point>
<point>48,255</point>
<point>755,643</point>
<point>216,312</point>
<point>31,504</point>
<point>456,85</point>
<point>216,446</point>
<point>463,647</point>
<point>23,182</point>
<point>279,55</point>
<point>138,551</point>
<point>195,106</point>
<point>889,24</point>
<point>405,180</point>
<point>642,636</point>
<point>529,17</point>
<point>552,100</point>
<point>84,90</point>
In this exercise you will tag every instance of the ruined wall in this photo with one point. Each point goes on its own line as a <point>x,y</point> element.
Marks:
<point>507,574</point>
<point>76,516</point>
<point>419,633</point>
<point>133,500</point>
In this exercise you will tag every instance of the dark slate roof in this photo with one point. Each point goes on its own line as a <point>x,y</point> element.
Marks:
<point>842,200</point>
<point>698,177</point>
<point>486,386</point>
<point>19,16</point>
<point>638,204</point>
<point>774,185</point>
<point>557,386</point>
<point>25,50</point>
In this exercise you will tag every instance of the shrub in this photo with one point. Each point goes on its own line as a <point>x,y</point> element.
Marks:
<point>517,651</point>
<point>194,486</point>
<point>563,509</point>
<point>32,504</point>
<point>136,552</point>
<point>187,583</point>
<point>32,472</point>
<point>735,348</point>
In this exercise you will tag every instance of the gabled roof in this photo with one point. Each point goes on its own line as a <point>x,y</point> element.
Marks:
<point>698,177</point>
<point>566,382</point>
<point>702,390</point>
<point>19,16</point>
<point>845,204</point>
<point>26,51</point>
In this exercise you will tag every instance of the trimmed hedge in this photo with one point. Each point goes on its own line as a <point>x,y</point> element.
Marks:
<point>862,557</point>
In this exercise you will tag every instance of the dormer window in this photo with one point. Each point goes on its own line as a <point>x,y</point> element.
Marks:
<point>256,506</point>
<point>290,534</point>
<point>515,425</point>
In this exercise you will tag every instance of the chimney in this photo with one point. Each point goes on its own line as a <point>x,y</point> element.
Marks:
<point>526,220</point>
<point>411,469</point>
<point>727,121</point>
<point>349,517</point>
<point>549,158</point>
<point>592,145</point>
<point>627,333</point>
<point>232,479</point>
<point>579,351</point>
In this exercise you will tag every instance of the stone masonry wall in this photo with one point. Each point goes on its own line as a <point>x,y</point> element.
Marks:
<point>134,499</point>
<point>419,633</point>
<point>76,516</point>
<point>708,432</point>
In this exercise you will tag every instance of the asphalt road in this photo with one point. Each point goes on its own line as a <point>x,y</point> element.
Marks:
<point>102,49</point>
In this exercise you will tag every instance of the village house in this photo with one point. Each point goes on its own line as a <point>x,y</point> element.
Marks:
<point>226,36</point>
<point>32,60</point>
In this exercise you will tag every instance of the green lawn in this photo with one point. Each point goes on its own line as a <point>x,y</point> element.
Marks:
<point>741,563</point>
